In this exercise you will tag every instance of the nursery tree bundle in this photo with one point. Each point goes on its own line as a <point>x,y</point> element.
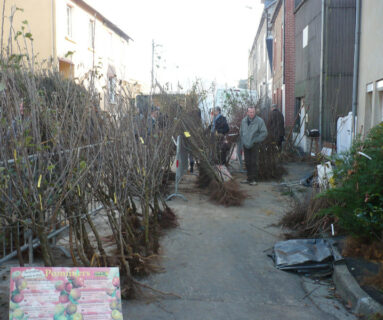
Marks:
<point>205,147</point>
<point>42,124</point>
<point>59,153</point>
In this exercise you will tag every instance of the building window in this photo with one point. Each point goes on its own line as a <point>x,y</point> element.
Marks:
<point>69,18</point>
<point>380,93</point>
<point>305,36</point>
<point>66,69</point>
<point>112,89</point>
<point>379,88</point>
<point>368,116</point>
<point>91,32</point>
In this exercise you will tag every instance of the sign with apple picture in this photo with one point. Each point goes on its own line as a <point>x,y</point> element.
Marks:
<point>44,293</point>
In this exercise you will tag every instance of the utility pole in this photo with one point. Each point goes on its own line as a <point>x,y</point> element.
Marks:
<point>152,83</point>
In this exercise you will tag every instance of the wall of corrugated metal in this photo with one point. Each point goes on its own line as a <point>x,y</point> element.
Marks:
<point>307,66</point>
<point>298,2</point>
<point>339,62</point>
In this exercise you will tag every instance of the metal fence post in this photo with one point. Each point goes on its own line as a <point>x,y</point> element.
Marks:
<point>30,247</point>
<point>181,168</point>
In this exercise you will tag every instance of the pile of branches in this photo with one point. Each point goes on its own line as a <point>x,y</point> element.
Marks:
<point>270,160</point>
<point>302,220</point>
<point>60,153</point>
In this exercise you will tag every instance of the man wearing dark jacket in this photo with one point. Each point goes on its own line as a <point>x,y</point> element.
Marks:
<point>219,127</point>
<point>253,131</point>
<point>276,126</point>
<point>219,123</point>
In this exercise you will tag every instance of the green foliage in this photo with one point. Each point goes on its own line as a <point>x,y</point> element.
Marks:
<point>358,190</point>
<point>29,36</point>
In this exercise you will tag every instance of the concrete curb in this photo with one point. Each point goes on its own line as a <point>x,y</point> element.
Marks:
<point>352,293</point>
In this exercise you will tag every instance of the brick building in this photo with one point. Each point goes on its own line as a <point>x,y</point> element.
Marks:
<point>278,42</point>
<point>284,59</point>
<point>289,62</point>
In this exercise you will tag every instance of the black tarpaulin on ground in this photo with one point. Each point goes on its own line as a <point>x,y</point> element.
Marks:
<point>305,255</point>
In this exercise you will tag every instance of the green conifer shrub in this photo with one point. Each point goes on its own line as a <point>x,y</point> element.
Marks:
<point>358,191</point>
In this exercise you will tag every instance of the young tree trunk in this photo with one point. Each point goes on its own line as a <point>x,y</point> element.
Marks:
<point>88,249</point>
<point>98,240</point>
<point>75,263</point>
<point>146,219</point>
<point>17,243</point>
<point>123,260</point>
<point>134,207</point>
<point>79,241</point>
<point>44,242</point>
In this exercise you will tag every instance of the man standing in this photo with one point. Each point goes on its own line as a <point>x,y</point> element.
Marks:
<point>219,128</point>
<point>219,123</point>
<point>276,126</point>
<point>253,131</point>
<point>152,120</point>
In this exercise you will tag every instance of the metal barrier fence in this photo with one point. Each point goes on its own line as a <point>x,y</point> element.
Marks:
<point>30,243</point>
<point>25,236</point>
<point>8,233</point>
<point>181,166</point>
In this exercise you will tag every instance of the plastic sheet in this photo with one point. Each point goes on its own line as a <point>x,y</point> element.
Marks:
<point>305,255</point>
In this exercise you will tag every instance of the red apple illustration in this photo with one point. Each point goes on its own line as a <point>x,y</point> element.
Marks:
<point>17,298</point>
<point>68,287</point>
<point>78,282</point>
<point>116,281</point>
<point>60,285</point>
<point>64,298</point>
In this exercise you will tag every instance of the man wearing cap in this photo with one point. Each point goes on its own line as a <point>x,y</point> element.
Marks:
<point>253,131</point>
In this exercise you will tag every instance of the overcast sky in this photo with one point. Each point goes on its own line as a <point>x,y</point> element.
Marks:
<point>205,39</point>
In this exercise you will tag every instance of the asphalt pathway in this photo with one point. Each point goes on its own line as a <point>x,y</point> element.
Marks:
<point>216,263</point>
